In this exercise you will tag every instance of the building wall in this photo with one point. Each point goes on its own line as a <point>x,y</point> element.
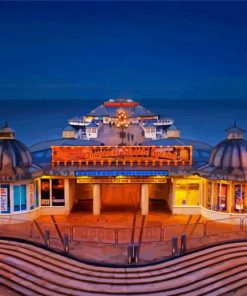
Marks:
<point>150,133</point>
<point>189,195</point>
<point>173,134</point>
<point>68,134</point>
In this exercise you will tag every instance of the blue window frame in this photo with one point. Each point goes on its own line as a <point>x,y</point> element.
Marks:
<point>17,198</point>
<point>20,198</point>
<point>23,197</point>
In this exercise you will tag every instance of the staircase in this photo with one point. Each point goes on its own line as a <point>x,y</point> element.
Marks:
<point>30,270</point>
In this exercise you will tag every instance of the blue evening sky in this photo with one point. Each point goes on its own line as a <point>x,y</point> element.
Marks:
<point>141,50</point>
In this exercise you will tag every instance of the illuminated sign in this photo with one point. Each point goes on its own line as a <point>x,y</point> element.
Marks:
<point>122,154</point>
<point>112,173</point>
<point>121,180</point>
<point>121,104</point>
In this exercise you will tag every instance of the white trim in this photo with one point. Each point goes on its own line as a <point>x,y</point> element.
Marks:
<point>19,212</point>
<point>199,207</point>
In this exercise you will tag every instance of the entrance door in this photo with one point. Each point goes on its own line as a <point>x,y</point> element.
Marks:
<point>159,196</point>
<point>83,200</point>
<point>120,196</point>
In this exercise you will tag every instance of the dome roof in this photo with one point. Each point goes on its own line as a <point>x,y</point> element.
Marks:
<point>15,157</point>
<point>15,154</point>
<point>228,159</point>
<point>230,153</point>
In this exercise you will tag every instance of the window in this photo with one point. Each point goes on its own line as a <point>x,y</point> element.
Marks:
<point>181,193</point>
<point>20,198</point>
<point>58,192</point>
<point>222,196</point>
<point>45,192</point>
<point>239,195</point>
<point>187,192</point>
<point>193,193</point>
<point>52,192</point>
<point>4,199</point>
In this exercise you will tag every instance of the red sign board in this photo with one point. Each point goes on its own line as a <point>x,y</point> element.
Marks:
<point>122,154</point>
<point>121,104</point>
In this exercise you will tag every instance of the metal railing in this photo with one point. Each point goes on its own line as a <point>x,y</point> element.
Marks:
<point>64,236</point>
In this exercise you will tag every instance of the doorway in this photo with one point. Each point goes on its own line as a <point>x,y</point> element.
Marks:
<point>83,200</point>
<point>120,196</point>
<point>159,195</point>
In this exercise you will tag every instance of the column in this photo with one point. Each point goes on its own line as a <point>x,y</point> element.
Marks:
<point>171,194</point>
<point>11,197</point>
<point>28,196</point>
<point>144,199</point>
<point>96,199</point>
<point>214,193</point>
<point>67,196</point>
<point>229,198</point>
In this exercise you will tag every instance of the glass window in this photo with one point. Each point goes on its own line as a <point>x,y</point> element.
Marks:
<point>181,193</point>
<point>193,193</point>
<point>239,195</point>
<point>20,198</point>
<point>58,192</point>
<point>17,205</point>
<point>4,199</point>
<point>52,192</point>
<point>187,193</point>
<point>23,197</point>
<point>222,196</point>
<point>45,192</point>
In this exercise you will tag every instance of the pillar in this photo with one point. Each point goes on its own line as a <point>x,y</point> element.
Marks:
<point>229,201</point>
<point>172,194</point>
<point>144,199</point>
<point>214,196</point>
<point>202,193</point>
<point>96,199</point>
<point>67,196</point>
<point>11,197</point>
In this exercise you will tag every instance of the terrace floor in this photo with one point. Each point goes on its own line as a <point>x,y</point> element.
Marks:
<point>91,233</point>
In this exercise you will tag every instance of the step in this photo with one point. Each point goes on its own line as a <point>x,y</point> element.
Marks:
<point>200,271</point>
<point>154,268</point>
<point>161,276</point>
<point>117,287</point>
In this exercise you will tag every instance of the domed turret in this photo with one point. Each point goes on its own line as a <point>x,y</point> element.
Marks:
<point>228,159</point>
<point>232,152</point>
<point>6,132</point>
<point>15,158</point>
<point>235,132</point>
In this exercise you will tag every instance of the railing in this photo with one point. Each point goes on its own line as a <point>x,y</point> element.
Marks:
<point>54,234</point>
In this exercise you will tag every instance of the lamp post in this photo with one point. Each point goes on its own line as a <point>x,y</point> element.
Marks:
<point>122,123</point>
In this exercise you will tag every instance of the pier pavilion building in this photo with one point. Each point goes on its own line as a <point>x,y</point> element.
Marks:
<point>121,156</point>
